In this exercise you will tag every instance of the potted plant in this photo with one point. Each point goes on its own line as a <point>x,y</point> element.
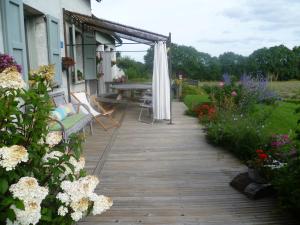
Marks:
<point>80,76</point>
<point>67,62</point>
<point>256,167</point>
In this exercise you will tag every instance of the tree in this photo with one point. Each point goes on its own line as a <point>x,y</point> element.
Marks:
<point>278,62</point>
<point>232,64</point>
<point>132,68</point>
<point>186,60</point>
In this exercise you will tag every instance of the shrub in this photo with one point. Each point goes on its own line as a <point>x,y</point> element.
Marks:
<point>42,179</point>
<point>286,182</point>
<point>191,90</point>
<point>206,112</point>
<point>239,133</point>
<point>257,88</point>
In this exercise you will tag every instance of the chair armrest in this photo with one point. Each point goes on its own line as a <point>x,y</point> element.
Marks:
<point>63,129</point>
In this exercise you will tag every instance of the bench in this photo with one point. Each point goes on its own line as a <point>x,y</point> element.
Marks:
<point>72,123</point>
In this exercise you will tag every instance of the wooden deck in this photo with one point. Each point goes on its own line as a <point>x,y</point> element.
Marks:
<point>168,175</point>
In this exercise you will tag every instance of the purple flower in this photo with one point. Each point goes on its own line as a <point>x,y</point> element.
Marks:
<point>258,86</point>
<point>226,79</point>
<point>8,61</point>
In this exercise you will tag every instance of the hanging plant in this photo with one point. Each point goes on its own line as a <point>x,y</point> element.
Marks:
<point>99,59</point>
<point>99,75</point>
<point>67,62</point>
<point>113,62</point>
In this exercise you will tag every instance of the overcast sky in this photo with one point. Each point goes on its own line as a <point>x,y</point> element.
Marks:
<point>212,26</point>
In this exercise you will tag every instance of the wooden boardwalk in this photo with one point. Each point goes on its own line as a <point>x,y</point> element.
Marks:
<point>168,175</point>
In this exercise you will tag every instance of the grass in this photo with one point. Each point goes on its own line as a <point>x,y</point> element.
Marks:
<point>286,89</point>
<point>193,100</point>
<point>283,119</point>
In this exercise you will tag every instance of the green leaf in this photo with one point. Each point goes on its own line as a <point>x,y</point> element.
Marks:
<point>19,204</point>
<point>3,186</point>
<point>7,201</point>
<point>11,215</point>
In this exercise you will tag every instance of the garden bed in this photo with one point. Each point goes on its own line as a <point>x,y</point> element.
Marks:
<point>254,122</point>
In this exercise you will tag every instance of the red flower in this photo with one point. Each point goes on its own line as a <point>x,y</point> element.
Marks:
<point>259,151</point>
<point>263,156</point>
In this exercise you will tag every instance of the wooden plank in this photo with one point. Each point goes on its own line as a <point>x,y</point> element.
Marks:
<point>169,175</point>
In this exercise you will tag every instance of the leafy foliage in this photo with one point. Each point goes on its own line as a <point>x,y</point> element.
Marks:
<point>276,63</point>
<point>133,69</point>
<point>287,183</point>
<point>24,144</point>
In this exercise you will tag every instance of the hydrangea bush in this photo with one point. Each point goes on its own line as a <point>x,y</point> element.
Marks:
<point>42,180</point>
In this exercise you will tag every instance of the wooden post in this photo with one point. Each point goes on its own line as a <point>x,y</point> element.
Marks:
<point>170,74</point>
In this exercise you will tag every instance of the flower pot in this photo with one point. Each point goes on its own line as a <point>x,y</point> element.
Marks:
<point>256,175</point>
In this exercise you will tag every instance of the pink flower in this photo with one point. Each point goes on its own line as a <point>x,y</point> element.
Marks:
<point>221,84</point>
<point>233,93</point>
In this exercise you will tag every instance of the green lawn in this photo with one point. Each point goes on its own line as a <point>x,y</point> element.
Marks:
<point>286,89</point>
<point>193,100</point>
<point>283,119</point>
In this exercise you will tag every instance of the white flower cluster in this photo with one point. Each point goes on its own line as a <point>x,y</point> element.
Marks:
<point>11,78</point>
<point>79,195</point>
<point>78,165</point>
<point>53,138</point>
<point>28,190</point>
<point>11,156</point>
<point>275,165</point>
<point>101,204</point>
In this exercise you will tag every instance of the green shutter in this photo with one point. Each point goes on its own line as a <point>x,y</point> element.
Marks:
<point>53,38</point>
<point>89,54</point>
<point>14,34</point>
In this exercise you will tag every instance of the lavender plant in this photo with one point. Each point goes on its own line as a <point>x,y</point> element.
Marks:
<point>258,87</point>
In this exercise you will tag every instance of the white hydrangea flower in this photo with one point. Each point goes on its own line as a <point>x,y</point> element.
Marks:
<point>31,214</point>
<point>79,195</point>
<point>10,157</point>
<point>63,197</point>
<point>11,78</point>
<point>82,205</point>
<point>78,165</point>
<point>52,155</point>
<point>53,138</point>
<point>76,215</point>
<point>101,204</point>
<point>81,188</point>
<point>62,211</point>
<point>28,189</point>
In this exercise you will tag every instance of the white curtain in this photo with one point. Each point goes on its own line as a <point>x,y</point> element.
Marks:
<point>161,83</point>
<point>100,70</point>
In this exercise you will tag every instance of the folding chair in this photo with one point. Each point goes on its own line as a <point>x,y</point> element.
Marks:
<point>83,98</point>
<point>146,105</point>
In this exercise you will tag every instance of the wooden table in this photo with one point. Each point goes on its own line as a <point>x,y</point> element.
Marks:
<point>131,88</point>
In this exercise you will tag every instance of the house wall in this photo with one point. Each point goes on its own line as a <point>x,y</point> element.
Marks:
<point>108,56</point>
<point>54,9</point>
<point>1,34</point>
